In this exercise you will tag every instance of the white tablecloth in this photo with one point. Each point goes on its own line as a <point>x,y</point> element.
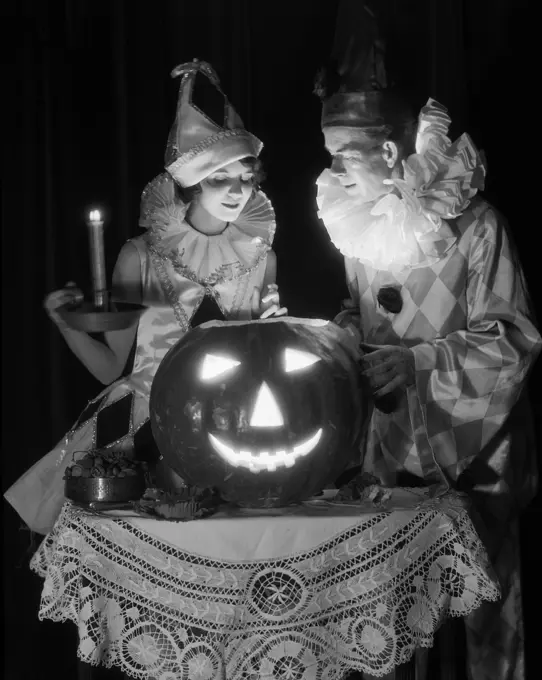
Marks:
<point>302,593</point>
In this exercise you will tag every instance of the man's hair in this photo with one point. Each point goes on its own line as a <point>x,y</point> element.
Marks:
<point>403,134</point>
<point>400,124</point>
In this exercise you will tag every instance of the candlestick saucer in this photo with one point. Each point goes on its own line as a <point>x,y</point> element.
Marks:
<point>91,319</point>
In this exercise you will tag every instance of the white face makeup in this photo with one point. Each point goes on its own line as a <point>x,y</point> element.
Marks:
<point>360,168</point>
<point>225,192</point>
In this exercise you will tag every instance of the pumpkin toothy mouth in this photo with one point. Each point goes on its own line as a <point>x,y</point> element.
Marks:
<point>265,460</point>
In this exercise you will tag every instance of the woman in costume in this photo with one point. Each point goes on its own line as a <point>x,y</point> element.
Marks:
<point>206,253</point>
<point>439,298</point>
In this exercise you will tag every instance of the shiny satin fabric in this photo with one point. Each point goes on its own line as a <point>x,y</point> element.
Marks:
<point>177,271</point>
<point>160,328</point>
<point>408,227</point>
<point>197,146</point>
<point>465,423</point>
<point>466,320</point>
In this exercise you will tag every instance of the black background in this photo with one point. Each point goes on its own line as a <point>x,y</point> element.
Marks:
<point>87,103</point>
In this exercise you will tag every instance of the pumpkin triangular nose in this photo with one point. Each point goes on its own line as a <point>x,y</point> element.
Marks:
<point>266,411</point>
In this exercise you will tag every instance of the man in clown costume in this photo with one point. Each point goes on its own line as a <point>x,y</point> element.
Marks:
<point>438,296</point>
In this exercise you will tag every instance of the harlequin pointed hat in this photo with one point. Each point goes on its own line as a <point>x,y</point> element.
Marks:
<point>197,145</point>
<point>354,85</point>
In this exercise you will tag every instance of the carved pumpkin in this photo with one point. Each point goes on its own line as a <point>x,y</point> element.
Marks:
<point>267,412</point>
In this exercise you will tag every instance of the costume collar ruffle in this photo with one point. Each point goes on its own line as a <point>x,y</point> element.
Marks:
<point>239,248</point>
<point>408,228</point>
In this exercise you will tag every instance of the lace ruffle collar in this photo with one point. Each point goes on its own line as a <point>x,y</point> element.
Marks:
<point>407,227</point>
<point>238,249</point>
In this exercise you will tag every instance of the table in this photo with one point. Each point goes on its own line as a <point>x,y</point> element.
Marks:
<point>301,593</point>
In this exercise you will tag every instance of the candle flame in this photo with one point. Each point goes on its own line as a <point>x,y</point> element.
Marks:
<point>95,216</point>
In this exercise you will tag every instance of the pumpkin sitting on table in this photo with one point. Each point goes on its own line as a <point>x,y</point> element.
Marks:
<point>268,412</point>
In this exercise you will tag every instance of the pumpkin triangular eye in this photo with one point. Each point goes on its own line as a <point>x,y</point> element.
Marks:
<point>295,359</point>
<point>214,365</point>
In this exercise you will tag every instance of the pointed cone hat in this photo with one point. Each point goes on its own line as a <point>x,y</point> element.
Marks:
<point>354,87</point>
<point>197,145</point>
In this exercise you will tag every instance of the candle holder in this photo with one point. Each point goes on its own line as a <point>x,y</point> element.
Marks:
<point>103,313</point>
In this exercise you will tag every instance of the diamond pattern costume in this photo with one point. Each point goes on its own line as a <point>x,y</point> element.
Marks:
<point>460,303</point>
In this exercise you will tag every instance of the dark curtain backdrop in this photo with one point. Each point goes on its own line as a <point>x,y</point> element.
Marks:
<point>88,102</point>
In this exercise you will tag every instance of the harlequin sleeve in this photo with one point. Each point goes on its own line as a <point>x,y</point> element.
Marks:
<point>469,381</point>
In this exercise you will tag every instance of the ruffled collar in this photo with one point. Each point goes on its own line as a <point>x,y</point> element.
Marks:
<point>408,228</point>
<point>207,259</point>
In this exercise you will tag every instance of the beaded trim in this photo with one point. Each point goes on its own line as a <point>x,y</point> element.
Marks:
<point>239,297</point>
<point>169,290</point>
<point>226,272</point>
<point>94,419</point>
<point>204,145</point>
<point>162,259</point>
<point>156,181</point>
<point>175,211</point>
<point>171,296</point>
<point>212,293</point>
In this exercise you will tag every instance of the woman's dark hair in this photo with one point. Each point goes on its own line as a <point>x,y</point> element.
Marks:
<point>188,194</point>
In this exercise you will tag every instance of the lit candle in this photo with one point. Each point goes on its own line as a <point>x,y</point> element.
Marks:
<point>97,258</point>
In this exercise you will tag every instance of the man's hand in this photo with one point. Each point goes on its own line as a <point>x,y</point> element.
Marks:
<point>388,367</point>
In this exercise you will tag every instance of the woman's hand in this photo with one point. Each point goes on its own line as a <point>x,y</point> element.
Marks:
<point>269,305</point>
<point>70,294</point>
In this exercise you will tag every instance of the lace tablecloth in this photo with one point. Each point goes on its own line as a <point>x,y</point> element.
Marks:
<point>303,593</point>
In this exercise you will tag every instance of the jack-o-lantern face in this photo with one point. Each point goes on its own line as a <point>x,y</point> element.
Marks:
<point>267,411</point>
<point>263,413</point>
